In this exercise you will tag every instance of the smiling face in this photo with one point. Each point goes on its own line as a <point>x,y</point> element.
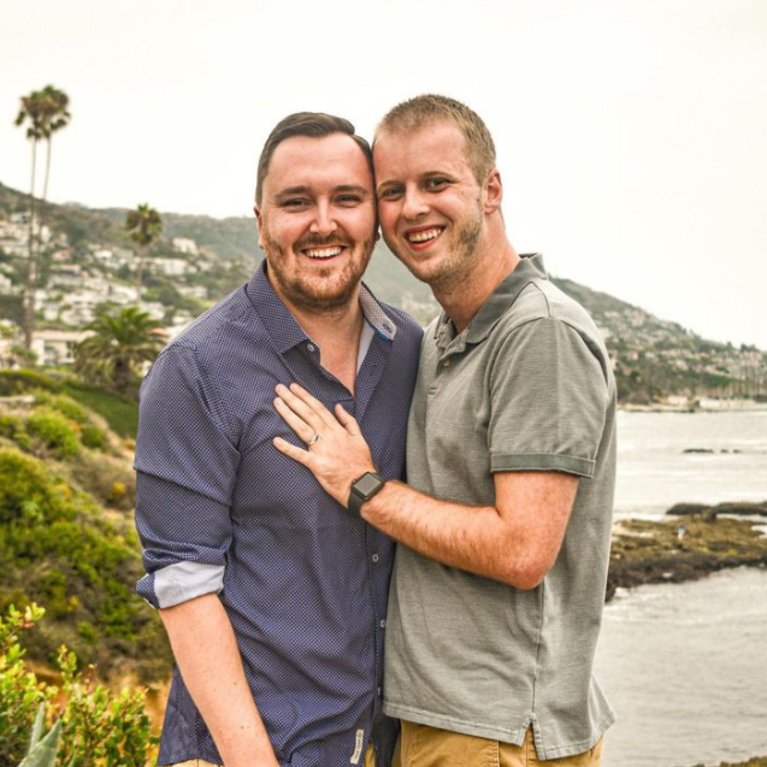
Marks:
<point>317,221</point>
<point>430,205</point>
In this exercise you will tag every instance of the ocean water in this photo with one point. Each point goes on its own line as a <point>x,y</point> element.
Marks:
<point>654,472</point>
<point>685,665</point>
<point>685,668</point>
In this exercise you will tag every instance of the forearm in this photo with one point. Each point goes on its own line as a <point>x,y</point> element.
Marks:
<point>473,538</point>
<point>207,655</point>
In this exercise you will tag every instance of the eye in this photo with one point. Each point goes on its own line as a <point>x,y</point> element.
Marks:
<point>349,200</point>
<point>436,184</point>
<point>295,203</point>
<point>391,193</point>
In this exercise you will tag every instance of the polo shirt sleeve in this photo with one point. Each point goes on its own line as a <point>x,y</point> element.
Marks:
<point>186,465</point>
<point>548,400</point>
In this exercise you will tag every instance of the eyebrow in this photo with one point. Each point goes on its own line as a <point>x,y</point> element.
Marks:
<point>302,189</point>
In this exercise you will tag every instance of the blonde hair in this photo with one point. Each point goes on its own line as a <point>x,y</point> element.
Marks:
<point>413,114</point>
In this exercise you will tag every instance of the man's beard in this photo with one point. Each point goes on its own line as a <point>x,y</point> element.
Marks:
<point>454,267</point>
<point>312,293</point>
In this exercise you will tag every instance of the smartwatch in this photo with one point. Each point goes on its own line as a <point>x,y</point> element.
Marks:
<point>363,489</point>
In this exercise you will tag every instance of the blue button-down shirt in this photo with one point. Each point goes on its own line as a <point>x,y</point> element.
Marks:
<point>220,510</point>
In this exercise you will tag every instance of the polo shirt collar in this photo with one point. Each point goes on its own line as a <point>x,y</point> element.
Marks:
<point>281,324</point>
<point>530,268</point>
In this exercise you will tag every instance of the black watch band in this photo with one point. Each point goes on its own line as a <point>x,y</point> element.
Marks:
<point>363,489</point>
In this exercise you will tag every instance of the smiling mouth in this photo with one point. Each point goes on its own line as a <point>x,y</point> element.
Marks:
<point>425,235</point>
<point>321,253</point>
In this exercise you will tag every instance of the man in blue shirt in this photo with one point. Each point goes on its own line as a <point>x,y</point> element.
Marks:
<point>273,596</point>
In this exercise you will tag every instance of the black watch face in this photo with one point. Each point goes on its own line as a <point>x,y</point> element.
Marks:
<point>366,485</point>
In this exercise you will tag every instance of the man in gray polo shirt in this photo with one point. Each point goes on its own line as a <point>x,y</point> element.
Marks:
<point>497,594</point>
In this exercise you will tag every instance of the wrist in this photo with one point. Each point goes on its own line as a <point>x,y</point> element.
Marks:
<point>363,489</point>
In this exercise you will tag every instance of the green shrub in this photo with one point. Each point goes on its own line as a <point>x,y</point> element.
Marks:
<point>93,437</point>
<point>58,548</point>
<point>14,428</point>
<point>20,691</point>
<point>62,404</point>
<point>55,431</point>
<point>28,492</point>
<point>13,382</point>
<point>99,728</point>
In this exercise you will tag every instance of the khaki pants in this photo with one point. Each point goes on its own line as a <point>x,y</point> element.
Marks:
<point>424,746</point>
<point>370,761</point>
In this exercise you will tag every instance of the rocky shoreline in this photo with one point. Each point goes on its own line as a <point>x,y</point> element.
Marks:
<point>757,761</point>
<point>699,540</point>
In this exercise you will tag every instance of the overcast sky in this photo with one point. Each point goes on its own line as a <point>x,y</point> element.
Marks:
<point>631,136</point>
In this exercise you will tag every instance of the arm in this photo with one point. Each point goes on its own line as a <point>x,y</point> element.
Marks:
<point>207,655</point>
<point>186,468</point>
<point>516,541</point>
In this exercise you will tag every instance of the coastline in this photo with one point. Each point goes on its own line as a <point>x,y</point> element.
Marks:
<point>646,551</point>
<point>694,406</point>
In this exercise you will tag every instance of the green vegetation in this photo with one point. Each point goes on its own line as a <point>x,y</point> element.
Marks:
<point>66,532</point>
<point>120,343</point>
<point>120,413</point>
<point>59,548</point>
<point>97,727</point>
<point>651,552</point>
<point>144,226</point>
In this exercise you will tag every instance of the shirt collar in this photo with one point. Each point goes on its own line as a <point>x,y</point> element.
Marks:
<point>529,268</point>
<point>281,324</point>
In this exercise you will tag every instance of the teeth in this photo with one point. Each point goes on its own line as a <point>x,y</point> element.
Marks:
<point>323,253</point>
<point>429,234</point>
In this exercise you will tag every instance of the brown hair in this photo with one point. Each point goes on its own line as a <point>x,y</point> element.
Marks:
<point>312,124</point>
<point>413,114</point>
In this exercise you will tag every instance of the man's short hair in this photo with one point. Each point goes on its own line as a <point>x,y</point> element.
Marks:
<point>413,114</point>
<point>313,125</point>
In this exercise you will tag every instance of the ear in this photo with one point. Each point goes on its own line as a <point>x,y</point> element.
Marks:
<point>260,222</point>
<point>493,191</point>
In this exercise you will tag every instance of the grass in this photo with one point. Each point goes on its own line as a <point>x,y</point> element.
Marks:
<point>121,414</point>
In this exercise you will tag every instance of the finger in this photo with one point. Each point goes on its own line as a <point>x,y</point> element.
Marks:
<point>348,421</point>
<point>313,403</point>
<point>292,451</point>
<point>303,430</point>
<point>300,408</point>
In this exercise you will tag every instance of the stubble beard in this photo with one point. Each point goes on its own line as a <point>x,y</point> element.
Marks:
<point>316,294</point>
<point>454,268</point>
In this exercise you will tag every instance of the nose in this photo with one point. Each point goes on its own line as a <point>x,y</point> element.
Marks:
<point>414,204</point>
<point>324,223</point>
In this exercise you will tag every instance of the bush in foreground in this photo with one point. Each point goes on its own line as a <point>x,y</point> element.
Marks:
<point>99,728</point>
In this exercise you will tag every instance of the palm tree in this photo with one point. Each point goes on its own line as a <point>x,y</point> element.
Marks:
<point>46,112</point>
<point>120,344</point>
<point>144,224</point>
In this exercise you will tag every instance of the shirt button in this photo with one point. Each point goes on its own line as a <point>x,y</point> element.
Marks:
<point>382,624</point>
<point>375,557</point>
<point>380,692</point>
<point>310,347</point>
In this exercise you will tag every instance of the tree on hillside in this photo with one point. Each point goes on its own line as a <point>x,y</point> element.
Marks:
<point>120,344</point>
<point>144,224</point>
<point>45,111</point>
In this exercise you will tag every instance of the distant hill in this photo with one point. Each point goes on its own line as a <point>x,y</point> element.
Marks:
<point>652,358</point>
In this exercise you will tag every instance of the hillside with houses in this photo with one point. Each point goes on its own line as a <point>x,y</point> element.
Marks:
<point>88,262</point>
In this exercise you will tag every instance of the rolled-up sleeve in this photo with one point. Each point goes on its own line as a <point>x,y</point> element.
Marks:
<point>186,464</point>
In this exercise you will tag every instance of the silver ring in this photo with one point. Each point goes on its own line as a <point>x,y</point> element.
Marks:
<point>313,439</point>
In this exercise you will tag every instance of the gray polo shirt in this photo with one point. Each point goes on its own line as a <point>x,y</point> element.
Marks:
<point>526,386</point>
